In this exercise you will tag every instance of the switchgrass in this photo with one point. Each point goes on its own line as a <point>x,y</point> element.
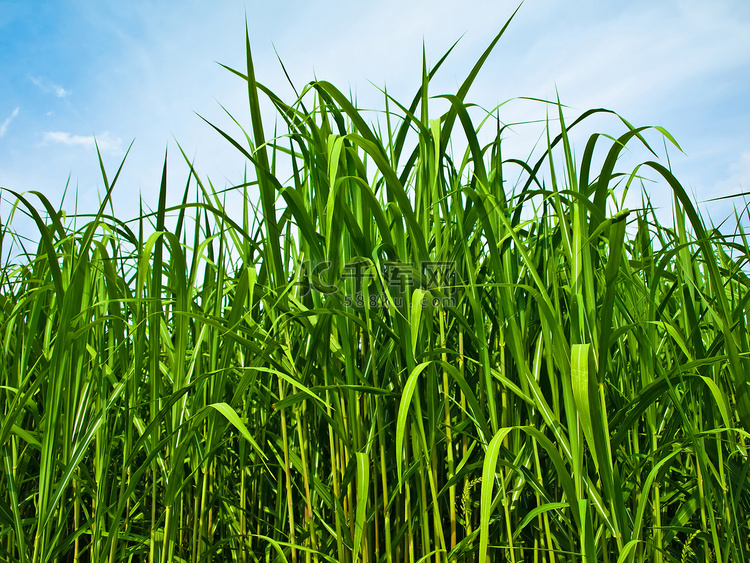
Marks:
<point>390,353</point>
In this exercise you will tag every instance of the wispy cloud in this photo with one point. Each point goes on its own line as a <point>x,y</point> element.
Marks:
<point>106,142</point>
<point>737,178</point>
<point>6,123</point>
<point>46,86</point>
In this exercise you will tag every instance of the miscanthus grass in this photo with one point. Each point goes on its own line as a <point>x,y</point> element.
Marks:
<point>389,353</point>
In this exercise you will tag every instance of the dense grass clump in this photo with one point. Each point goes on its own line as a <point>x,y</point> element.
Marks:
<point>393,354</point>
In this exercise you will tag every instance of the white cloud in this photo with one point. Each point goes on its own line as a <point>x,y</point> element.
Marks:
<point>37,82</point>
<point>726,192</point>
<point>46,86</point>
<point>6,123</point>
<point>737,179</point>
<point>106,142</point>
<point>60,92</point>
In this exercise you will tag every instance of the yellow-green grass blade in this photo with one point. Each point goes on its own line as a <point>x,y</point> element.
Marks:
<point>363,485</point>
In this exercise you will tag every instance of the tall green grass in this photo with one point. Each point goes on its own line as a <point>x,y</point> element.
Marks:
<point>390,353</point>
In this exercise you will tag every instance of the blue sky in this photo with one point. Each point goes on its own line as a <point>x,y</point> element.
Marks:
<point>140,71</point>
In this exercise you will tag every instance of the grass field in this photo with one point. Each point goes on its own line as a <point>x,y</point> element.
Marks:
<point>390,353</point>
